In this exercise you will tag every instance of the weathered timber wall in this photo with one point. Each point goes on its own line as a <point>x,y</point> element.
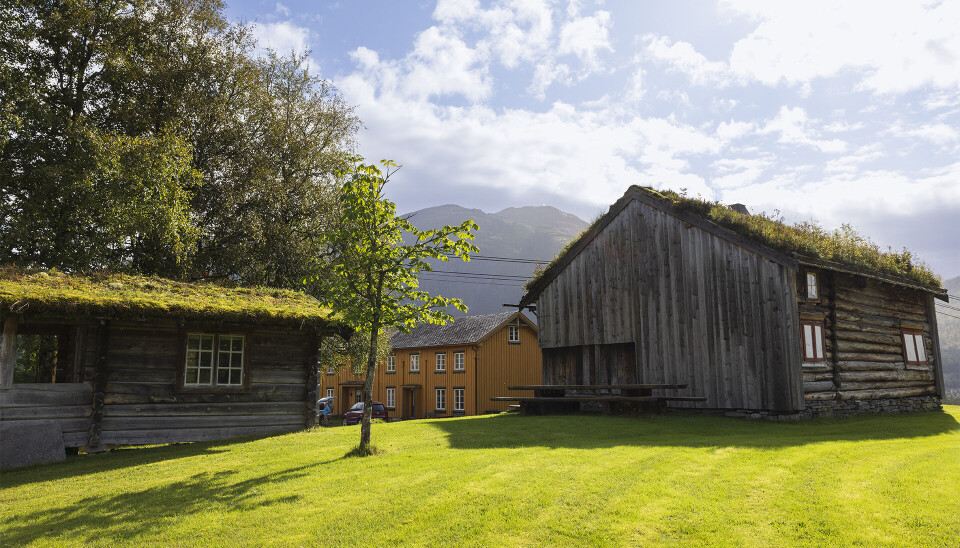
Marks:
<point>690,306</point>
<point>141,403</point>
<point>68,404</point>
<point>863,319</point>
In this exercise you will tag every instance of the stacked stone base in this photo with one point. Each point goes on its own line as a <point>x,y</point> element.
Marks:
<point>833,408</point>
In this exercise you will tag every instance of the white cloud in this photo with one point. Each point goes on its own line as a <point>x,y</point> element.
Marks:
<point>585,37</point>
<point>682,57</point>
<point>895,48</point>
<point>939,134</point>
<point>282,37</point>
<point>793,126</point>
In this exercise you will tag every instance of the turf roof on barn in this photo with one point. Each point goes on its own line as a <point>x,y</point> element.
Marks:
<point>806,243</point>
<point>124,296</point>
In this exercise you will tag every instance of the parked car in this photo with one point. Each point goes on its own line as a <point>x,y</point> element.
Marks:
<point>353,416</point>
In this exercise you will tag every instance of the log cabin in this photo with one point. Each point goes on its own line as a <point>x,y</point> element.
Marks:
<point>447,370</point>
<point>129,360</point>
<point>747,311</point>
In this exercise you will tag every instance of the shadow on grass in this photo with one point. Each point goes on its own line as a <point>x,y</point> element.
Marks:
<point>679,429</point>
<point>136,512</point>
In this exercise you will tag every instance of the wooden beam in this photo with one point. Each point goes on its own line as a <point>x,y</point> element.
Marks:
<point>99,390</point>
<point>8,352</point>
<point>935,339</point>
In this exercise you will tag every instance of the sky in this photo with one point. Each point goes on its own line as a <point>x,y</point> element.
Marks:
<point>831,112</point>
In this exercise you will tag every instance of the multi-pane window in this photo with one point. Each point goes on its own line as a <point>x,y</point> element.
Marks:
<point>914,350</point>
<point>213,360</point>
<point>391,396</point>
<point>813,290</point>
<point>441,362</point>
<point>330,370</point>
<point>329,392</point>
<point>458,394</point>
<point>414,363</point>
<point>441,399</point>
<point>458,361</point>
<point>514,334</point>
<point>811,335</point>
<point>357,396</point>
<point>391,363</point>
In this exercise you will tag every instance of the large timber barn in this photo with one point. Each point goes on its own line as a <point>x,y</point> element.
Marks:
<point>118,360</point>
<point>657,293</point>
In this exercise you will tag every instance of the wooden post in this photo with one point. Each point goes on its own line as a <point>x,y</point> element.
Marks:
<point>8,352</point>
<point>313,358</point>
<point>935,339</point>
<point>99,388</point>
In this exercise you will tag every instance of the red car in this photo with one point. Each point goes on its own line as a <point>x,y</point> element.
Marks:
<point>355,414</point>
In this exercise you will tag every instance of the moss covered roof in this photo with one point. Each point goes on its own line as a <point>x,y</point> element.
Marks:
<point>123,296</point>
<point>804,242</point>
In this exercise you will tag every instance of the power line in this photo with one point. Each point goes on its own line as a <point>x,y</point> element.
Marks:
<point>470,282</point>
<point>948,315</point>
<point>504,259</point>
<point>476,274</point>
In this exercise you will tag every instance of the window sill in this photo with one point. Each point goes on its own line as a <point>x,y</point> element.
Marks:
<point>462,371</point>
<point>390,372</point>
<point>438,372</point>
<point>414,372</point>
<point>513,342</point>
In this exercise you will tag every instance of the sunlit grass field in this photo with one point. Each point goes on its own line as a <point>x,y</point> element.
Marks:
<point>508,480</point>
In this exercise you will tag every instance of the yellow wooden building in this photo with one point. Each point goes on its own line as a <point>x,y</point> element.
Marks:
<point>447,370</point>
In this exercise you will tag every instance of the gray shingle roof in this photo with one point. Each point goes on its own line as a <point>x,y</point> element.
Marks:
<point>465,330</point>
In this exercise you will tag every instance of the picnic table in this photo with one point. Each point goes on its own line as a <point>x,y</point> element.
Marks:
<point>566,398</point>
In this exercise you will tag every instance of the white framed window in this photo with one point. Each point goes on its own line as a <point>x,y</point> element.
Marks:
<point>391,363</point>
<point>357,395</point>
<point>813,288</point>
<point>441,399</point>
<point>811,335</point>
<point>214,360</point>
<point>914,349</point>
<point>458,395</point>
<point>459,361</point>
<point>329,392</point>
<point>414,363</point>
<point>391,397</point>
<point>330,370</point>
<point>514,336</point>
<point>441,362</point>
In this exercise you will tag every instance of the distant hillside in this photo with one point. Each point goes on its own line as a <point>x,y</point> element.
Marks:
<point>526,233</point>
<point>949,329</point>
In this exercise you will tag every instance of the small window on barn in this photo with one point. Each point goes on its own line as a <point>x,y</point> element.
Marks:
<point>214,360</point>
<point>458,397</point>
<point>414,363</point>
<point>441,362</point>
<point>391,397</point>
<point>45,354</point>
<point>459,363</point>
<point>329,392</point>
<point>392,363</point>
<point>813,288</point>
<point>811,335</point>
<point>514,337</point>
<point>914,349</point>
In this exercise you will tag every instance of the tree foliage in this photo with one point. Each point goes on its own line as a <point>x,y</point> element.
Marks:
<point>153,136</point>
<point>375,274</point>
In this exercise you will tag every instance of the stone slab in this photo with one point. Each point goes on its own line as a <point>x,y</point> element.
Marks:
<point>39,442</point>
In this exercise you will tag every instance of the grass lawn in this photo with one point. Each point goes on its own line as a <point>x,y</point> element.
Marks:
<point>516,481</point>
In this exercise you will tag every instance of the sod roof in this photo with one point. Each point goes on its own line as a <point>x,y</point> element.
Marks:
<point>123,296</point>
<point>804,243</point>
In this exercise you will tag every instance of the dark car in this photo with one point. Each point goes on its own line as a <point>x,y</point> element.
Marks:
<point>353,416</point>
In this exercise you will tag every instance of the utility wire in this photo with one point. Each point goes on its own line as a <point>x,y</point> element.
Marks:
<point>476,274</point>
<point>503,259</point>
<point>470,282</point>
<point>948,306</point>
<point>948,315</point>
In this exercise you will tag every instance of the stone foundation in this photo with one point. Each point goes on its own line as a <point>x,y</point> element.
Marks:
<point>833,408</point>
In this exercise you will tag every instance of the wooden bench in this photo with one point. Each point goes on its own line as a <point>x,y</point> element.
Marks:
<point>635,398</point>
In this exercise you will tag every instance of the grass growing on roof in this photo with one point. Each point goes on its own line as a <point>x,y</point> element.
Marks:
<point>675,480</point>
<point>127,296</point>
<point>805,239</point>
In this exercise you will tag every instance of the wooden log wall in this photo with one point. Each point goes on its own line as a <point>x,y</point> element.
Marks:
<point>863,319</point>
<point>698,309</point>
<point>143,404</point>
<point>137,386</point>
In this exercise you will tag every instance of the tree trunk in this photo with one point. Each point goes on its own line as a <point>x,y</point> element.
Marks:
<point>368,389</point>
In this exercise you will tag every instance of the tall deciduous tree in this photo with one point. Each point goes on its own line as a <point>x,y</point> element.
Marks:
<point>375,282</point>
<point>153,135</point>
